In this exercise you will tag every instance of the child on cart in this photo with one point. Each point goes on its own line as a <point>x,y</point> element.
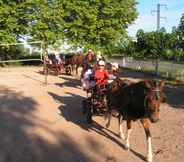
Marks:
<point>101,76</point>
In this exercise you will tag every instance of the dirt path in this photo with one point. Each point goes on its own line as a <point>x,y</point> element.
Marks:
<point>41,123</point>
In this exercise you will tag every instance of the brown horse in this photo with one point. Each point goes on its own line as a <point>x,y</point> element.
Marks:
<point>80,60</point>
<point>77,61</point>
<point>137,101</point>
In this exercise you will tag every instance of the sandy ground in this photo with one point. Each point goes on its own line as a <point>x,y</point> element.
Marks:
<point>40,123</point>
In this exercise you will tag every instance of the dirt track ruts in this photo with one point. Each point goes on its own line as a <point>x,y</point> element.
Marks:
<point>41,123</point>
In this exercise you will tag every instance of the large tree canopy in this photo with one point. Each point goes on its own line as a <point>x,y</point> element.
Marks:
<point>97,22</point>
<point>85,23</point>
<point>12,21</point>
<point>47,23</point>
<point>38,19</point>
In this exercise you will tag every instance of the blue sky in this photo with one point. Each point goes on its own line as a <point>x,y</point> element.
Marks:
<point>147,21</point>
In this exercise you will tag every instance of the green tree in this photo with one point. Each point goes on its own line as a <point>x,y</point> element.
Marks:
<point>141,43</point>
<point>163,30</point>
<point>45,20</point>
<point>97,23</point>
<point>151,44</point>
<point>11,24</point>
<point>180,31</point>
<point>90,23</point>
<point>174,29</point>
<point>39,19</point>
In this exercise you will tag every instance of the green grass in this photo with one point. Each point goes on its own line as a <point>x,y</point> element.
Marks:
<point>171,79</point>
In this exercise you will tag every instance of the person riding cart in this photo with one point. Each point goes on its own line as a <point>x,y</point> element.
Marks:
<point>96,102</point>
<point>88,62</point>
<point>101,79</point>
<point>101,75</point>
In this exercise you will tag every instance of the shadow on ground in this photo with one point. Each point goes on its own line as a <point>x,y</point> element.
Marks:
<point>71,110</point>
<point>175,95</point>
<point>69,82</point>
<point>53,73</point>
<point>20,144</point>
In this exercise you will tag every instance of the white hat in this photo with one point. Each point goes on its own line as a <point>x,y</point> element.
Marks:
<point>101,63</point>
<point>90,50</point>
<point>115,64</point>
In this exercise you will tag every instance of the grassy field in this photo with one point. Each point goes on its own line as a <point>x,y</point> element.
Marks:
<point>170,70</point>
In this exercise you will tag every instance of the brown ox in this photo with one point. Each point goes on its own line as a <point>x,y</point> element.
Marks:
<point>137,101</point>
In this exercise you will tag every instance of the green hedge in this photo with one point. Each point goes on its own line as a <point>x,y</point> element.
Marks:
<point>31,62</point>
<point>24,57</point>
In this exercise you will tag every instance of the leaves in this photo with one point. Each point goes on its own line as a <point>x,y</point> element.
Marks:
<point>97,22</point>
<point>87,23</point>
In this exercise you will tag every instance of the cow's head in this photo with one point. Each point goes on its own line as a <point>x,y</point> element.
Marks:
<point>154,97</point>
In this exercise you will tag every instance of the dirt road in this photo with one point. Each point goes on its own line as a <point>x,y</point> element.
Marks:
<point>41,123</point>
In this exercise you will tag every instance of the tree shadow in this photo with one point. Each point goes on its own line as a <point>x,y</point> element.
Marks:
<point>71,110</point>
<point>33,78</point>
<point>13,110</point>
<point>175,95</point>
<point>52,73</point>
<point>69,82</point>
<point>103,131</point>
<point>65,150</point>
<point>19,143</point>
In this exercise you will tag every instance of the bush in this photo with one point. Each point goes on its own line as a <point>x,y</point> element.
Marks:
<point>31,62</point>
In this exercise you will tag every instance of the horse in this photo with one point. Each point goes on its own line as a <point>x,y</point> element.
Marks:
<point>137,101</point>
<point>96,102</point>
<point>81,60</point>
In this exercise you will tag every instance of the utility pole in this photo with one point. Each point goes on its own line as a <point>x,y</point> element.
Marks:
<point>158,28</point>
<point>158,17</point>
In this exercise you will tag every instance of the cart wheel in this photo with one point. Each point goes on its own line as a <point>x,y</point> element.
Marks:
<point>68,70</point>
<point>87,110</point>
